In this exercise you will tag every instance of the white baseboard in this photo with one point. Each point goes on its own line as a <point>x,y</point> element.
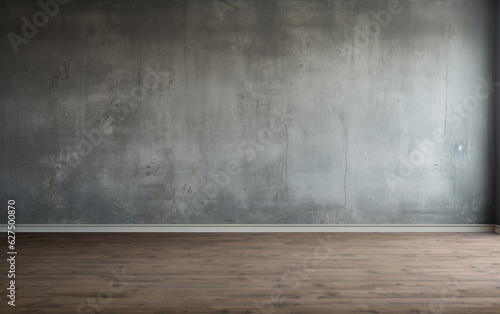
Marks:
<point>249,228</point>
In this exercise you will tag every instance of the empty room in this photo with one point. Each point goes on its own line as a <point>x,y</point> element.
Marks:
<point>250,156</point>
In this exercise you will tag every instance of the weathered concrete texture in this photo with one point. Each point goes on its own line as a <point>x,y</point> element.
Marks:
<point>496,115</point>
<point>247,112</point>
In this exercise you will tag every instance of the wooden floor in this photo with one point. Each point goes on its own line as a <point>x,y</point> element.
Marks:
<point>256,273</point>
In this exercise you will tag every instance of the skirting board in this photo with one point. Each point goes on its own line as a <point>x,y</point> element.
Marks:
<point>249,228</point>
<point>497,229</point>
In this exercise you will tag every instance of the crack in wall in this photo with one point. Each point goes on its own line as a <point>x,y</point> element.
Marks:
<point>140,78</point>
<point>446,76</point>
<point>286,164</point>
<point>185,71</point>
<point>345,160</point>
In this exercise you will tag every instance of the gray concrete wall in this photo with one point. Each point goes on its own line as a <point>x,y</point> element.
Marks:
<point>247,111</point>
<point>496,115</point>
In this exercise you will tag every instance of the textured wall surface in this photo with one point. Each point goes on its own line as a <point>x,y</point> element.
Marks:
<point>496,114</point>
<point>247,111</point>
